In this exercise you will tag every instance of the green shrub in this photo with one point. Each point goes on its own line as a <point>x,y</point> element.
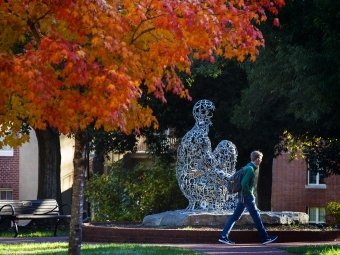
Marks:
<point>131,194</point>
<point>333,210</point>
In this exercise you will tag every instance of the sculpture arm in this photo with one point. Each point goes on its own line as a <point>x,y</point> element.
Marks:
<point>213,170</point>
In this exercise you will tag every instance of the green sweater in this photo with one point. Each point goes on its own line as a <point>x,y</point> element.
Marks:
<point>248,179</point>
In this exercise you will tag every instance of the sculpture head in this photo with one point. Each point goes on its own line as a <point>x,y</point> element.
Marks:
<point>202,112</point>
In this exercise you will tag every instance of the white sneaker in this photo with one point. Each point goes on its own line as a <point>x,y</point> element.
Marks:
<point>270,240</point>
<point>225,240</point>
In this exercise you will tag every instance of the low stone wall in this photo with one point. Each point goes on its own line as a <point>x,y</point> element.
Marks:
<point>181,218</point>
<point>103,234</point>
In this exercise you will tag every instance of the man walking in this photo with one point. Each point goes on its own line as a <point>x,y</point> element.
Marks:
<point>247,200</point>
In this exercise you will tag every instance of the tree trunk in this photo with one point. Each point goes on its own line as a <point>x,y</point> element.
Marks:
<point>264,185</point>
<point>77,194</point>
<point>49,164</point>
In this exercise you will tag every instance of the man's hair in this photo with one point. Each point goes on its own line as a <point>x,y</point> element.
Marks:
<point>255,155</point>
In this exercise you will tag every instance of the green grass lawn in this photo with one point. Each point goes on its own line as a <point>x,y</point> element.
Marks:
<point>314,250</point>
<point>93,249</point>
<point>139,249</point>
<point>62,248</point>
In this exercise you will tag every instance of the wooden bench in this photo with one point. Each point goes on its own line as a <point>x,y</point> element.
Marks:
<point>15,210</point>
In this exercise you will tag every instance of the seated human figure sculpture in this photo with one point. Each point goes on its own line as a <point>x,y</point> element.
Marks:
<point>202,173</point>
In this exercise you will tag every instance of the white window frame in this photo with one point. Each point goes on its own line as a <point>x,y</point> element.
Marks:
<point>316,185</point>
<point>6,151</point>
<point>6,190</point>
<point>6,223</point>
<point>317,215</point>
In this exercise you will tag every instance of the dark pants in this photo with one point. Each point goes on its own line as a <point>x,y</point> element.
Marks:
<point>249,203</point>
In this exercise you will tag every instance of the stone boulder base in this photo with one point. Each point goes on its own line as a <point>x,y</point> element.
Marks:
<point>181,218</point>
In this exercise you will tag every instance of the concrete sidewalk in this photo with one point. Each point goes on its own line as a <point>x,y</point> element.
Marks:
<point>213,249</point>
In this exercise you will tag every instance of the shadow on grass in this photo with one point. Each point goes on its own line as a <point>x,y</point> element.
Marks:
<point>33,232</point>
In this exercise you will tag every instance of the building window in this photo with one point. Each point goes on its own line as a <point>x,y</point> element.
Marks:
<point>315,180</point>
<point>6,194</point>
<point>6,151</point>
<point>316,215</point>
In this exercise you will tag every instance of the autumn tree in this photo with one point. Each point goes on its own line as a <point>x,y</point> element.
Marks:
<point>84,62</point>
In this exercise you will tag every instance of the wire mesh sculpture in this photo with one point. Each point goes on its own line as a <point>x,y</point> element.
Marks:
<point>202,173</point>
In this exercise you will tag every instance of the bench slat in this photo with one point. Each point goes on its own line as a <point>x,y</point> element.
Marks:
<point>44,216</point>
<point>30,206</point>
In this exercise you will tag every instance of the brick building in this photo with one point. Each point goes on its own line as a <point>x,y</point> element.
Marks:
<point>19,170</point>
<point>294,188</point>
<point>9,174</point>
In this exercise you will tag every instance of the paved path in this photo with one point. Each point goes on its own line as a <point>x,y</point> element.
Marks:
<point>213,249</point>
